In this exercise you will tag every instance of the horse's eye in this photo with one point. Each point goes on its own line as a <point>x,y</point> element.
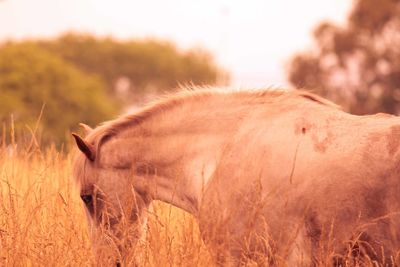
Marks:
<point>87,199</point>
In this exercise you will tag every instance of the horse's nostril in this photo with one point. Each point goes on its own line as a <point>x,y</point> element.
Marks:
<point>117,263</point>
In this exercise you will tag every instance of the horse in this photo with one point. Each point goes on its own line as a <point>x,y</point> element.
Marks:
<point>283,178</point>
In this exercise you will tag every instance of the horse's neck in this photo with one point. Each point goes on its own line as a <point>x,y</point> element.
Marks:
<point>183,169</point>
<point>188,147</point>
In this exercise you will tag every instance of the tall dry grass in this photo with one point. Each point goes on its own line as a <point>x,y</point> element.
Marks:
<point>42,221</point>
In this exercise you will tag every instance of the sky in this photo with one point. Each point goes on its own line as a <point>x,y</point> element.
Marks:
<point>253,39</point>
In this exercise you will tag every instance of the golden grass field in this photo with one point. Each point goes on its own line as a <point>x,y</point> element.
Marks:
<point>42,221</point>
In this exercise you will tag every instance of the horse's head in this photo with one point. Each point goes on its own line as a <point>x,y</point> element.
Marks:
<point>116,213</point>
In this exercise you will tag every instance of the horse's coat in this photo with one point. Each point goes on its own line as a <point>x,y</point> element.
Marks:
<point>283,175</point>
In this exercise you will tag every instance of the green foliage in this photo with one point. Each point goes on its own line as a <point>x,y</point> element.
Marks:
<point>147,65</point>
<point>78,78</point>
<point>31,77</point>
<point>358,65</point>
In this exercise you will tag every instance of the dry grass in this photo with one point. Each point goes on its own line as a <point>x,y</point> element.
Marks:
<point>42,221</point>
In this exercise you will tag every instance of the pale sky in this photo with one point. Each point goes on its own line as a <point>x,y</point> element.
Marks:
<point>252,39</point>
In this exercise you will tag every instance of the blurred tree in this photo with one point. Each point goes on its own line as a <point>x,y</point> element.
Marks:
<point>31,77</point>
<point>357,66</point>
<point>136,66</point>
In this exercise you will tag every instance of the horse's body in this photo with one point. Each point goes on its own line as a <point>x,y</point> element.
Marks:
<point>285,176</point>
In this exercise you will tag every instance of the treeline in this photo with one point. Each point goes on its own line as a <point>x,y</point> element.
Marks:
<point>80,78</point>
<point>144,65</point>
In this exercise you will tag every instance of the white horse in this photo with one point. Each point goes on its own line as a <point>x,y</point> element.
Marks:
<point>282,178</point>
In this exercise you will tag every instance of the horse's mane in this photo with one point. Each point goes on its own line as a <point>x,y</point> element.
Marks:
<point>185,95</point>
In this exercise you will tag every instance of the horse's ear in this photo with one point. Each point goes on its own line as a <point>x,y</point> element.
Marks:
<point>86,128</point>
<point>85,147</point>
